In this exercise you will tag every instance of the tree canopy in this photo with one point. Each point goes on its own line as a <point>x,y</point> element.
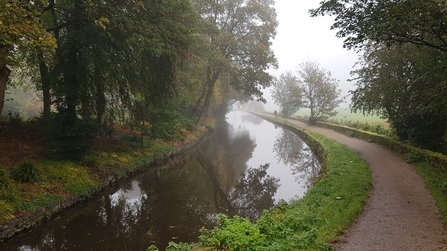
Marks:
<point>21,31</point>
<point>238,34</point>
<point>413,21</point>
<point>406,85</point>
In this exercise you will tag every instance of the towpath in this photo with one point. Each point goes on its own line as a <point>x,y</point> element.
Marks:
<point>400,213</point>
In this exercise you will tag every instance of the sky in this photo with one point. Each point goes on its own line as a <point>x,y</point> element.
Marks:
<point>301,37</point>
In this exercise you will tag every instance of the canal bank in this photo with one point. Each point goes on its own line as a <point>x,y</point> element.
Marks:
<point>28,220</point>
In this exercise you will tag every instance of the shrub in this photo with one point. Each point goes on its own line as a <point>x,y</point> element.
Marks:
<point>235,234</point>
<point>27,172</point>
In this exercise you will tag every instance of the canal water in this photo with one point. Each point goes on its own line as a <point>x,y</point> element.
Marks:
<point>248,165</point>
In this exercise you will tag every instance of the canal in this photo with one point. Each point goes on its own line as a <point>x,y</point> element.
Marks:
<point>248,165</point>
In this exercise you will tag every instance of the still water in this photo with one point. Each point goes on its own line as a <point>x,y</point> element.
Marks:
<point>248,165</point>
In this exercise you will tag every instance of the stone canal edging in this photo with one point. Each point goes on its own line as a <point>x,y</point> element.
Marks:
<point>28,220</point>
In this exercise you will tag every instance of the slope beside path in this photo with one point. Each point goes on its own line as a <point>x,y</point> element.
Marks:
<point>400,213</point>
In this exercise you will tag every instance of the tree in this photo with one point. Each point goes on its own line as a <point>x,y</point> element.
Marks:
<point>406,85</point>
<point>21,31</point>
<point>288,94</point>
<point>114,60</point>
<point>320,91</point>
<point>238,37</point>
<point>413,21</point>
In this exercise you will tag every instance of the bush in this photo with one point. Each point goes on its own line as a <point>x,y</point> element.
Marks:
<point>27,172</point>
<point>235,234</point>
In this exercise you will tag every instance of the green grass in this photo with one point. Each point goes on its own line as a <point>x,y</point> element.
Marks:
<point>436,181</point>
<point>344,115</point>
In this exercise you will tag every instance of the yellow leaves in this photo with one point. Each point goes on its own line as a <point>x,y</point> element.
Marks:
<point>123,160</point>
<point>21,28</point>
<point>114,156</point>
<point>102,22</point>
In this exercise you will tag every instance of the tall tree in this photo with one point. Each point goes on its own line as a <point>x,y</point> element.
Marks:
<point>238,35</point>
<point>288,94</point>
<point>413,21</point>
<point>21,31</point>
<point>406,85</point>
<point>320,91</point>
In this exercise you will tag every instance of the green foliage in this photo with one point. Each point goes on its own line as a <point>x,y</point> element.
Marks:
<point>414,105</point>
<point>152,248</point>
<point>27,171</point>
<point>387,21</point>
<point>169,124</point>
<point>172,246</point>
<point>286,228</point>
<point>234,234</point>
<point>6,212</point>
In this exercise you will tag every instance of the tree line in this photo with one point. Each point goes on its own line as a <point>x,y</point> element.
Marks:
<point>402,73</point>
<point>143,63</point>
<point>314,88</point>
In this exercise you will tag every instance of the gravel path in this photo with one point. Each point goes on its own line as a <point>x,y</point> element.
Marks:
<point>400,213</point>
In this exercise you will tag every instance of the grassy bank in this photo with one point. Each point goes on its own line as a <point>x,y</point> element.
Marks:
<point>311,223</point>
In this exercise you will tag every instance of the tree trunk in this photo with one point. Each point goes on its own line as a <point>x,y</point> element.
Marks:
<point>46,82</point>
<point>197,104</point>
<point>210,82</point>
<point>4,76</point>
<point>206,104</point>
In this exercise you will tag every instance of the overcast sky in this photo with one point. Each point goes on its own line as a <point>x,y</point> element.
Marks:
<point>301,37</point>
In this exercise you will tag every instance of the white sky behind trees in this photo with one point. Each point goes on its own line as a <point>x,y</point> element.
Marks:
<point>300,37</point>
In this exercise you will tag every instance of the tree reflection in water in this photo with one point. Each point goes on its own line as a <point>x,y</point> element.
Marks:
<point>254,192</point>
<point>291,150</point>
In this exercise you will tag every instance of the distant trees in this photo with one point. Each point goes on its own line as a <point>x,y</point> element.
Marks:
<point>321,93</point>
<point>288,94</point>
<point>313,89</point>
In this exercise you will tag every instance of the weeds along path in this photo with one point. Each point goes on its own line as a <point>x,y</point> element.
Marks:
<point>400,213</point>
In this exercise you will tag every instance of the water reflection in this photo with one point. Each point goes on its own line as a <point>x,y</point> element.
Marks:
<point>246,167</point>
<point>291,150</point>
<point>254,192</point>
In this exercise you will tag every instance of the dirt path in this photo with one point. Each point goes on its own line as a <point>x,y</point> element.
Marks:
<point>400,213</point>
